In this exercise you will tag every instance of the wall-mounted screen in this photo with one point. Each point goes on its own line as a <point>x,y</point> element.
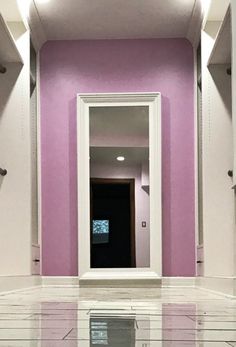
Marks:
<point>100,231</point>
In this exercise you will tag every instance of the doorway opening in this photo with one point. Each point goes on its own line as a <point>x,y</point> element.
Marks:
<point>112,223</point>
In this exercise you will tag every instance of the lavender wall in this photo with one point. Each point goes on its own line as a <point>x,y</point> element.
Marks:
<point>71,67</point>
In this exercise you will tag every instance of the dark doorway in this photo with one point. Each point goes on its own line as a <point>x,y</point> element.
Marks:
<point>112,223</point>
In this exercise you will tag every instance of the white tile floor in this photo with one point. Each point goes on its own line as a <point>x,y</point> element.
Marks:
<point>73,317</point>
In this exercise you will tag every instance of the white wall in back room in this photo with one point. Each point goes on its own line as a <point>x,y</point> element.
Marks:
<point>15,156</point>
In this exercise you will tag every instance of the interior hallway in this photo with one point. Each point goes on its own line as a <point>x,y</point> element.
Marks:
<point>60,316</point>
<point>145,93</point>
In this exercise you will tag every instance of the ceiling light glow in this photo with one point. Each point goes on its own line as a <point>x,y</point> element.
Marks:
<point>205,6</point>
<point>23,7</point>
<point>120,158</point>
<point>42,1</point>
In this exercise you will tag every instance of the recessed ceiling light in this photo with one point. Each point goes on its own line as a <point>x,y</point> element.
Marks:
<point>120,158</point>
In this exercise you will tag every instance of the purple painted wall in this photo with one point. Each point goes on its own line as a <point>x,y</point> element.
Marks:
<point>71,67</point>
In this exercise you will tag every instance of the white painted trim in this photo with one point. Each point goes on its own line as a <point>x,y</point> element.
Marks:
<point>153,101</point>
<point>233,23</point>
<point>125,279</point>
<point>223,286</point>
<point>195,23</point>
<point>60,281</point>
<point>216,292</point>
<point>218,285</point>
<point>37,32</point>
<point>205,13</point>
<point>23,9</point>
<point>15,283</point>
<point>39,174</point>
<point>196,158</point>
<point>178,281</point>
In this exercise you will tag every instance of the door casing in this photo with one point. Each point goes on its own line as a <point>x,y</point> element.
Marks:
<point>153,102</point>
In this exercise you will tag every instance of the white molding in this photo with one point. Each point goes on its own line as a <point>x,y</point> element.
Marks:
<point>125,278</point>
<point>15,283</point>
<point>195,23</point>
<point>37,32</point>
<point>178,281</point>
<point>224,286</point>
<point>23,9</point>
<point>153,101</point>
<point>196,185</point>
<point>205,13</point>
<point>60,281</point>
<point>233,23</point>
<point>39,174</point>
<point>218,285</point>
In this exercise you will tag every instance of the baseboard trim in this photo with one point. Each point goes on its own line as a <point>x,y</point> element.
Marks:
<point>112,283</point>
<point>219,285</point>
<point>16,283</point>
<point>225,286</point>
<point>129,279</point>
<point>178,281</point>
<point>60,281</point>
<point>97,280</point>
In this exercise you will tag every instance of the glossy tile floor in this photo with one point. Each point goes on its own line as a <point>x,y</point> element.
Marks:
<point>73,317</point>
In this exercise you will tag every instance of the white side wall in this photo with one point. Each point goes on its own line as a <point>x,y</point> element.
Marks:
<point>218,197</point>
<point>15,156</point>
<point>233,23</point>
<point>34,181</point>
<point>142,212</point>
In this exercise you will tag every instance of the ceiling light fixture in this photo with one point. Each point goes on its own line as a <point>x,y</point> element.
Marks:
<point>120,158</point>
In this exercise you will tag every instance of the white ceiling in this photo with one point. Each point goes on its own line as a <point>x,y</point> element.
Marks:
<point>119,126</point>
<point>115,19</point>
<point>108,155</point>
<point>119,131</point>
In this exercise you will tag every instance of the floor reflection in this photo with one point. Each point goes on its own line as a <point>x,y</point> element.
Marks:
<point>177,325</point>
<point>112,332</point>
<point>61,317</point>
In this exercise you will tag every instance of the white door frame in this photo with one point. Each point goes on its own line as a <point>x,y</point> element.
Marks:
<point>153,101</point>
